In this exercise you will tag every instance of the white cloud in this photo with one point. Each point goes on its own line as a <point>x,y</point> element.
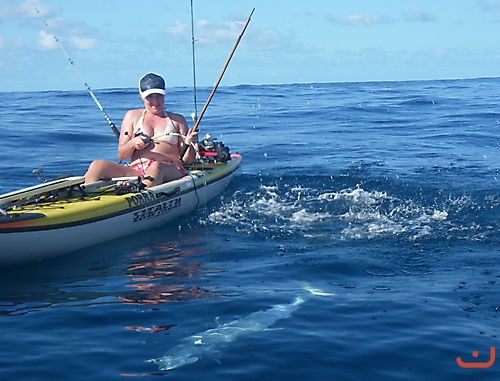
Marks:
<point>488,5</point>
<point>178,30</point>
<point>34,9</point>
<point>46,40</point>
<point>359,19</point>
<point>30,9</point>
<point>10,9</point>
<point>206,32</point>
<point>76,35</point>
<point>32,14</point>
<point>223,34</point>
<point>214,33</point>
<point>417,15</point>
<point>83,43</point>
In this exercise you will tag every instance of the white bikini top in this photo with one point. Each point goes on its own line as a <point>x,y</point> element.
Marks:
<point>169,134</point>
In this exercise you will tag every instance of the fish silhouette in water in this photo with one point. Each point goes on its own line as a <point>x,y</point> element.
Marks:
<point>208,343</point>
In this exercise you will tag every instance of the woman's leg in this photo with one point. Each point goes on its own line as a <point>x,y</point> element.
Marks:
<point>103,169</point>
<point>161,173</point>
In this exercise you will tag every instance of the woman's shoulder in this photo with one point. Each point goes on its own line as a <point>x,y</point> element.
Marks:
<point>177,118</point>
<point>132,116</point>
<point>130,119</point>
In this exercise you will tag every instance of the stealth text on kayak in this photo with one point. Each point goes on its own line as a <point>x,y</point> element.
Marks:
<point>157,210</point>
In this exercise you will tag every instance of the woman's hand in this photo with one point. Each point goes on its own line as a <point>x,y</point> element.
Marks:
<point>191,137</point>
<point>140,142</point>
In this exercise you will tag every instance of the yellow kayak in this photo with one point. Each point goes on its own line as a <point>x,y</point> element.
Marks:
<point>61,216</point>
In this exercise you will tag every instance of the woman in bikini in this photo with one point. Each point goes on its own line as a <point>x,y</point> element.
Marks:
<point>151,138</point>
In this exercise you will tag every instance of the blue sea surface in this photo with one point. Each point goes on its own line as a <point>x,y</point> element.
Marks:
<point>384,195</point>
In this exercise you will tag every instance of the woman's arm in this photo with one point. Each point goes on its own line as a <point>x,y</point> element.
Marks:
<point>190,137</point>
<point>127,143</point>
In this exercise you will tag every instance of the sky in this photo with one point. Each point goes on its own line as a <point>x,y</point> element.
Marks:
<point>112,43</point>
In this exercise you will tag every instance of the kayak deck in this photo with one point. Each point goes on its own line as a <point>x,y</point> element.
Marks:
<point>65,215</point>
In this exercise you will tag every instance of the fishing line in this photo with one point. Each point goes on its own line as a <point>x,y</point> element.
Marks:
<point>207,103</point>
<point>111,124</point>
<point>194,115</point>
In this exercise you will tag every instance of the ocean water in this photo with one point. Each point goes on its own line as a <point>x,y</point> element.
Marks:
<point>385,196</point>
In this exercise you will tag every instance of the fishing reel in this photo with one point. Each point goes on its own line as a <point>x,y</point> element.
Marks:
<point>145,138</point>
<point>211,151</point>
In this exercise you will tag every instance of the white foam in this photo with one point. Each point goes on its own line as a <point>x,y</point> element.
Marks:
<point>347,214</point>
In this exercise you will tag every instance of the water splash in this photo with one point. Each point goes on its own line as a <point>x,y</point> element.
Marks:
<point>355,213</point>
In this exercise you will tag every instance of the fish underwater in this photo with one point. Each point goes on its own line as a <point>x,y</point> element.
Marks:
<point>206,344</point>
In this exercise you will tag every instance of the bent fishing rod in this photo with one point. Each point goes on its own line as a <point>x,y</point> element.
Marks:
<point>195,128</point>
<point>194,115</point>
<point>111,124</point>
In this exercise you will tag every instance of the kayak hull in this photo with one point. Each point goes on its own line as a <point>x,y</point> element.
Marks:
<point>50,229</point>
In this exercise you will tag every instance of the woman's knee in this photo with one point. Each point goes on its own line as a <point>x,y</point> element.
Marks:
<point>98,165</point>
<point>162,172</point>
<point>99,169</point>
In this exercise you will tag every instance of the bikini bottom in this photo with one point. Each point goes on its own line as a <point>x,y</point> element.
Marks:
<point>143,166</point>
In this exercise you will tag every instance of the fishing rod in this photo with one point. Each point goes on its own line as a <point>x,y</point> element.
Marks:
<point>194,115</point>
<point>195,128</point>
<point>111,124</point>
